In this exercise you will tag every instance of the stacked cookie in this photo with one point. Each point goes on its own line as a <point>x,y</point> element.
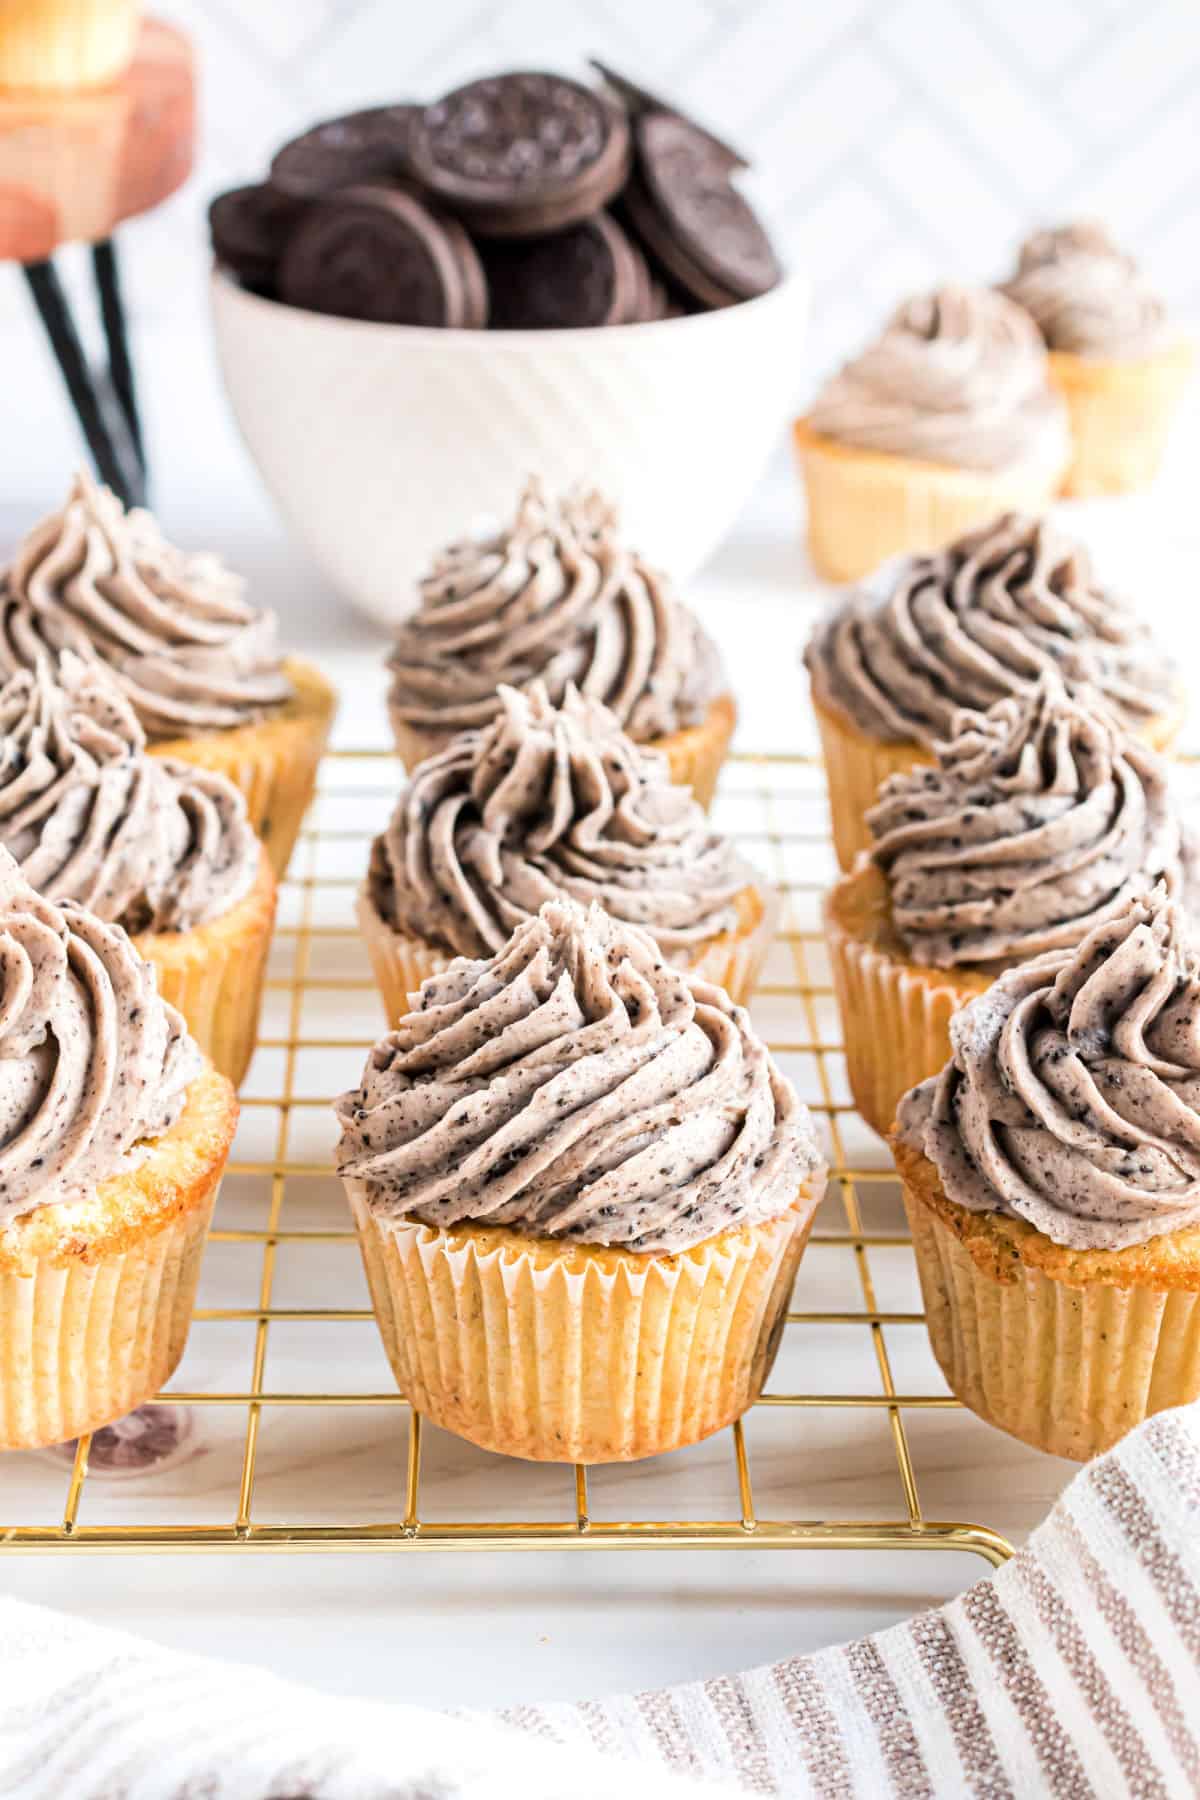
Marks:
<point>520,201</point>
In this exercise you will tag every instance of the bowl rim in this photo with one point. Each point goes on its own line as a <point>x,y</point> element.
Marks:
<point>224,283</point>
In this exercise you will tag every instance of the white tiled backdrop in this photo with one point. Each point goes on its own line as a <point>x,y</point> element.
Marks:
<point>896,141</point>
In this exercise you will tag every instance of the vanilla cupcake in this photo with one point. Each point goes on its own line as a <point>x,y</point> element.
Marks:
<point>943,422</point>
<point>1040,820</point>
<point>548,803</point>
<point>114,1133</point>
<point>199,664</point>
<point>160,847</point>
<point>893,661</point>
<point>557,597</point>
<point>582,1190</point>
<point>63,44</point>
<point>1051,1176</point>
<point>1115,358</point>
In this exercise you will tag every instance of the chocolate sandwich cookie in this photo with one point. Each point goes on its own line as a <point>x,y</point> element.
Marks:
<point>521,155</point>
<point>640,100</point>
<point>683,206</point>
<point>589,274</point>
<point>361,147</point>
<point>377,253</point>
<point>249,227</point>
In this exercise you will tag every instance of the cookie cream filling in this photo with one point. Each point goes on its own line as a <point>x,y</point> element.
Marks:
<point>576,1086</point>
<point>1071,1099</point>
<point>148,842</point>
<point>189,651</point>
<point>976,621</point>
<point>554,597</point>
<point>550,802</point>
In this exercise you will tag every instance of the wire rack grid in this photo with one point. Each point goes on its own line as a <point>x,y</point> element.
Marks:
<point>289,1433</point>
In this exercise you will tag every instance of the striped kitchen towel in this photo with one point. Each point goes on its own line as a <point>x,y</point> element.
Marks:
<point>1074,1671</point>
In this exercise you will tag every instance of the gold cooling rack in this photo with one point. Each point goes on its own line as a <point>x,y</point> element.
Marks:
<point>295,1438</point>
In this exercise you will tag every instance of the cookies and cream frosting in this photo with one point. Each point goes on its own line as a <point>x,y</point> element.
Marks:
<point>577,1086</point>
<point>554,596</point>
<point>1072,1097</point>
<point>149,842</point>
<point>190,652</point>
<point>547,802</point>
<point>1039,821</point>
<point>976,621</point>
<point>1087,296</point>
<point>957,377</point>
<point>93,1062</point>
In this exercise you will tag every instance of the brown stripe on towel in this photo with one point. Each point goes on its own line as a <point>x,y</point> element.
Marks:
<point>1064,1773</point>
<point>1159,1561</point>
<point>818,1734</point>
<point>728,1700</point>
<point>887,1712</point>
<point>666,1726</point>
<point>950,1679</point>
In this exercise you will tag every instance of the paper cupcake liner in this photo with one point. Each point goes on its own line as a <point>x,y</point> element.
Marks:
<point>1121,416</point>
<point>273,763</point>
<point>215,974</point>
<point>895,1014</point>
<point>1067,1368</point>
<point>864,506</point>
<point>95,1297</point>
<point>856,766</point>
<point>401,962</point>
<point>694,754</point>
<point>66,43</point>
<point>573,1353</point>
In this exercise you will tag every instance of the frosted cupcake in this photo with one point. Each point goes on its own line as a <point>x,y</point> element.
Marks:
<point>114,1133</point>
<point>557,597</point>
<point>1039,821</point>
<point>66,44</point>
<point>199,664</point>
<point>548,803</point>
<point>1116,359</point>
<point>1052,1180</point>
<point>893,662</point>
<point>582,1190</point>
<point>943,422</point>
<point>160,847</point>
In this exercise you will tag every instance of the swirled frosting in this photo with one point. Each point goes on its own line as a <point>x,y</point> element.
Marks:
<point>577,1086</point>
<point>1040,821</point>
<point>150,843</point>
<point>547,802</point>
<point>190,652</point>
<point>92,1061</point>
<point>556,596</point>
<point>1071,1100</point>
<point>976,621</point>
<point>957,377</point>
<point>1087,296</point>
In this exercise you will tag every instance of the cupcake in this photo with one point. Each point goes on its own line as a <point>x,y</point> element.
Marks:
<point>197,662</point>
<point>55,44</point>
<point>1114,356</point>
<point>160,847</point>
<point>113,1135</point>
<point>893,662</point>
<point>548,803</point>
<point>1051,1176</point>
<point>557,597</point>
<point>1039,821</point>
<point>943,422</point>
<point>582,1190</point>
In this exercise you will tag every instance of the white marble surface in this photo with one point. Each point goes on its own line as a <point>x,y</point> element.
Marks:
<point>493,1628</point>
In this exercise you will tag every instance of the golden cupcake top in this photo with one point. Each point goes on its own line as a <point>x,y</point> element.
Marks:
<point>576,1086</point>
<point>979,620</point>
<point>190,652</point>
<point>1071,1098</point>
<point>1039,821</point>
<point>93,1062</point>
<point>147,842</point>
<point>958,377</point>
<point>557,596</point>
<point>551,802</point>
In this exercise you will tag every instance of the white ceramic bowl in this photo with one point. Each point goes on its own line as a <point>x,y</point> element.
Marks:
<point>380,443</point>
